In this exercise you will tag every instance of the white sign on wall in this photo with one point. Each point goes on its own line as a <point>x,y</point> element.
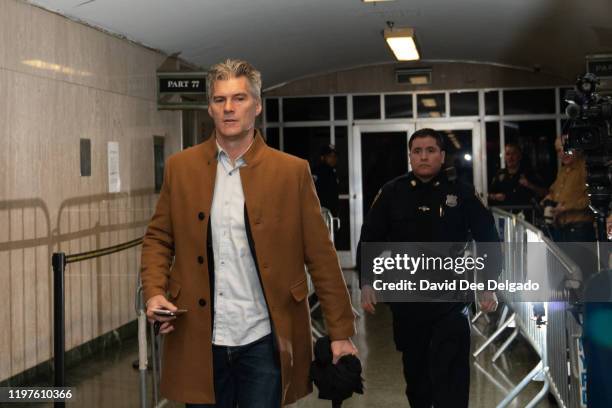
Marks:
<point>114,178</point>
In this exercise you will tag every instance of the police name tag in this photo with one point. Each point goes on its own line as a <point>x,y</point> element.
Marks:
<point>451,200</point>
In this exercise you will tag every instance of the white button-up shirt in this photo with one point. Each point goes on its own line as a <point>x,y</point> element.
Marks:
<point>241,314</point>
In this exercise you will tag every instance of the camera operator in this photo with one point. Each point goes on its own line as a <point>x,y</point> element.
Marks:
<point>572,218</point>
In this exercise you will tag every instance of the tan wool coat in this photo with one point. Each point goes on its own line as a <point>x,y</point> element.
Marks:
<point>287,231</point>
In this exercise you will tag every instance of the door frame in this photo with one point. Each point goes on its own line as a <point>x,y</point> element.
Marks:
<point>355,175</point>
<point>357,212</point>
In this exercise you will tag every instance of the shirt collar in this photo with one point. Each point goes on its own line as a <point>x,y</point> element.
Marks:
<point>223,156</point>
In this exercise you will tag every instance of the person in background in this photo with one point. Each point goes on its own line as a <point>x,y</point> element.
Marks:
<point>568,203</point>
<point>512,185</point>
<point>326,179</point>
<point>424,205</point>
<point>572,218</point>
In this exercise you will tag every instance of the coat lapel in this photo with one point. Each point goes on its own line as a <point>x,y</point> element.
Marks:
<point>253,181</point>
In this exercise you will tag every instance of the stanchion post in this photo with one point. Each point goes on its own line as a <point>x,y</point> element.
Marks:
<point>59,265</point>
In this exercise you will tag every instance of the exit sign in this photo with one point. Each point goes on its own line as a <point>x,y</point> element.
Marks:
<point>600,65</point>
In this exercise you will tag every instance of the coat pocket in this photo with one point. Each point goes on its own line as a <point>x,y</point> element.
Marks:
<point>174,288</point>
<point>299,291</point>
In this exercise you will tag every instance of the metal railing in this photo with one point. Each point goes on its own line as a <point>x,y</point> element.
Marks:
<point>59,261</point>
<point>549,327</point>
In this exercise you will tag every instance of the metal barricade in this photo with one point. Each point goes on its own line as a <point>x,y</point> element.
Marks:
<point>548,327</point>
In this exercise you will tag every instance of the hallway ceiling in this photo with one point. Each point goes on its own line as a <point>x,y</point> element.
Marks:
<point>289,39</point>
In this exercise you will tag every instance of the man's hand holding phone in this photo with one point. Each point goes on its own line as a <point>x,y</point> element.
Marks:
<point>161,312</point>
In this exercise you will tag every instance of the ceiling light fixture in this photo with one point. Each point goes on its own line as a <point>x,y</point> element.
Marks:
<point>429,103</point>
<point>402,42</point>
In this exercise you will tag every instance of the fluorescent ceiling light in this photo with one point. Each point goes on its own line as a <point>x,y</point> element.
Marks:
<point>429,102</point>
<point>402,43</point>
<point>419,80</point>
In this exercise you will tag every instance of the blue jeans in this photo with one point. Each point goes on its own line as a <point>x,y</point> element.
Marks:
<point>246,376</point>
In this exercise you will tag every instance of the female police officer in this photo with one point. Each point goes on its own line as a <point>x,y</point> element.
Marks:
<point>426,206</point>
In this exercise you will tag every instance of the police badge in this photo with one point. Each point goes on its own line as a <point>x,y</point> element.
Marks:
<point>451,200</point>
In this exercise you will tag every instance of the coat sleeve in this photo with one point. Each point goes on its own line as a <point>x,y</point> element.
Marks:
<point>375,228</point>
<point>322,263</point>
<point>158,244</point>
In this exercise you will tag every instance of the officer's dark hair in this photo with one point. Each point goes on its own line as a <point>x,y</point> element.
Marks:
<point>428,132</point>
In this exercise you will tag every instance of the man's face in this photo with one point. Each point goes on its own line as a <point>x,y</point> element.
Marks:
<point>512,156</point>
<point>426,158</point>
<point>233,108</point>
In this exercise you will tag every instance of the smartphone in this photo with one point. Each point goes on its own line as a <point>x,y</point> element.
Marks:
<point>168,313</point>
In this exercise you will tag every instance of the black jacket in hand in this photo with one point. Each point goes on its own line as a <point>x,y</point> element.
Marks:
<point>336,382</point>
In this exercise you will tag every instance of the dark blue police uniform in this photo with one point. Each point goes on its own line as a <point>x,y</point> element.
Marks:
<point>434,337</point>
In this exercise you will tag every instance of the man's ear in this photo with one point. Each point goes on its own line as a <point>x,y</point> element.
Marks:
<point>209,109</point>
<point>443,156</point>
<point>258,107</point>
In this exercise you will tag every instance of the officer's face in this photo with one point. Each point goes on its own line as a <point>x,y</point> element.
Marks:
<point>426,158</point>
<point>331,159</point>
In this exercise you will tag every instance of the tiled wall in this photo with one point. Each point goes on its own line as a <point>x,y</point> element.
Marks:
<point>61,81</point>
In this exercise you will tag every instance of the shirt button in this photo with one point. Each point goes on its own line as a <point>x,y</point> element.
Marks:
<point>201,215</point>
<point>220,293</point>
<point>200,259</point>
<point>202,302</point>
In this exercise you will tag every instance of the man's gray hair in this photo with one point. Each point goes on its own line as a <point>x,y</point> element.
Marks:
<point>232,68</point>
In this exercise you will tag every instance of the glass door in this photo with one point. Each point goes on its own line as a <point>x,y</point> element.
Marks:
<point>379,154</point>
<point>465,151</point>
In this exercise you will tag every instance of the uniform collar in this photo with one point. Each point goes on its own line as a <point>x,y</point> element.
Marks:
<point>415,182</point>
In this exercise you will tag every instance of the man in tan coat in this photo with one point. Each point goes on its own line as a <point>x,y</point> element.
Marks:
<point>234,225</point>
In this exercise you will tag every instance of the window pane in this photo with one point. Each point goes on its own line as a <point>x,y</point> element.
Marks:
<point>340,108</point>
<point>306,142</point>
<point>492,103</point>
<point>366,107</point>
<point>272,110</point>
<point>158,160</point>
<point>464,104</point>
<point>530,101</point>
<point>305,109</point>
<point>459,153</point>
<point>342,237</point>
<point>342,166</point>
<point>493,152</point>
<point>431,105</point>
<point>398,106</point>
<point>273,137</point>
<point>537,140</point>
<point>85,150</point>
